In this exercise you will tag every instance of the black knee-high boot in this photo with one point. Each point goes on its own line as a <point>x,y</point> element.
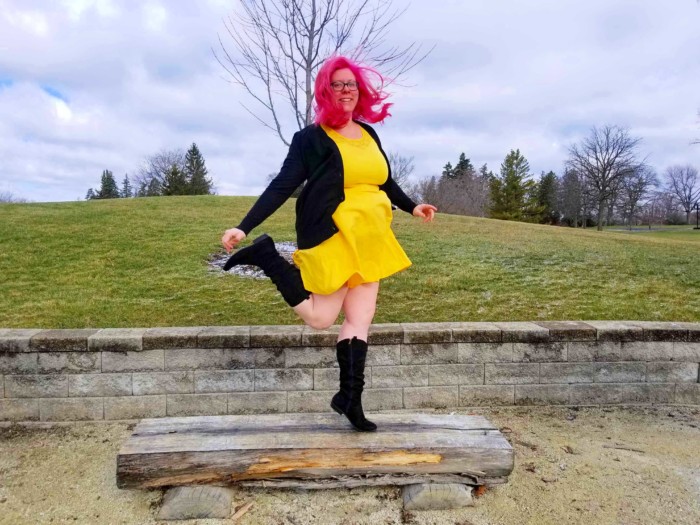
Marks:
<point>263,254</point>
<point>352,354</point>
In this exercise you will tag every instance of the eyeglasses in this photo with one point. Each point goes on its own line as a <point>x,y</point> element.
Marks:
<point>352,85</point>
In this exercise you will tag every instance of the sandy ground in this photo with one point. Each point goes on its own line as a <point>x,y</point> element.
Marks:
<point>568,471</point>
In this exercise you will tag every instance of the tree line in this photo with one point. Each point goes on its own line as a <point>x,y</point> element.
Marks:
<point>604,181</point>
<point>168,172</point>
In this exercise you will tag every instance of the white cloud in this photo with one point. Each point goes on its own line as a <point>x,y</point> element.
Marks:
<point>132,78</point>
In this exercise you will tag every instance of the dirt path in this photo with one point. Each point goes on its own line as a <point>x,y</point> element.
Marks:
<point>568,471</point>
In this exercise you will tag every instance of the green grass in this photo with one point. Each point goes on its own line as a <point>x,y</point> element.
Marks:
<point>143,262</point>
<point>678,233</point>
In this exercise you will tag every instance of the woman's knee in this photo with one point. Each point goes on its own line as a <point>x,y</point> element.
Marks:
<point>321,321</point>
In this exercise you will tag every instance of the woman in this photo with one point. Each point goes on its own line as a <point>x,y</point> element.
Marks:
<point>343,221</point>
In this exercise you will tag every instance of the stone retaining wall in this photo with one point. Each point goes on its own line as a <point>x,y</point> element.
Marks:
<point>70,375</point>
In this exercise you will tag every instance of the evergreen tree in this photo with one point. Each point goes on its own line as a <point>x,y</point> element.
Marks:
<point>108,187</point>
<point>175,182</point>
<point>547,197</point>
<point>447,171</point>
<point>463,169</point>
<point>512,192</point>
<point>126,192</point>
<point>90,195</point>
<point>196,173</point>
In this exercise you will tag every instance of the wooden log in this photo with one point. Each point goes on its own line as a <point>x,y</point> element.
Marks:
<point>310,448</point>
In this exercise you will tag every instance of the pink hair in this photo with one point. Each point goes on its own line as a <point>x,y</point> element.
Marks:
<point>327,110</point>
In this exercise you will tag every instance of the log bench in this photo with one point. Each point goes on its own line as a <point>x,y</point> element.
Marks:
<point>313,451</point>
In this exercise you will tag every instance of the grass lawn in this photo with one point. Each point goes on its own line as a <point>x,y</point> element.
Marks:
<point>143,262</point>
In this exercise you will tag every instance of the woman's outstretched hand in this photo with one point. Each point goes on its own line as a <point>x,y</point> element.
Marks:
<point>425,211</point>
<point>231,238</point>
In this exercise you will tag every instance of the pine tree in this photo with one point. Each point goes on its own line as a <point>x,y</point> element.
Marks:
<point>512,193</point>
<point>127,191</point>
<point>196,173</point>
<point>447,171</point>
<point>547,197</point>
<point>463,169</point>
<point>90,195</point>
<point>175,182</point>
<point>108,187</point>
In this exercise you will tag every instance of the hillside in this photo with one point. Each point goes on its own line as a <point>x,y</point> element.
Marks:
<point>143,262</point>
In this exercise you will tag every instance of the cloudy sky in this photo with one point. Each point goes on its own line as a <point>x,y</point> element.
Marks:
<point>87,85</point>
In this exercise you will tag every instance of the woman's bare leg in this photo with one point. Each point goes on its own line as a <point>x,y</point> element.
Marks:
<point>359,306</point>
<point>320,311</point>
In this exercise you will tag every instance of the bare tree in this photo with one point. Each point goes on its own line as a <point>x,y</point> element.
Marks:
<point>603,158</point>
<point>278,45</point>
<point>8,197</point>
<point>401,168</point>
<point>682,182</point>
<point>149,178</point>
<point>634,189</point>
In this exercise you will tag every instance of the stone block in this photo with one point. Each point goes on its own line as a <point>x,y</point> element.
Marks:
<point>486,395</point>
<point>429,354</point>
<point>313,337</point>
<point>310,357</point>
<point>329,379</point>
<point>208,381</point>
<point>151,383</point>
<point>616,330</point>
<point>617,393</point>
<point>426,333</point>
<point>145,360</point>
<point>665,372</point>
<point>383,355</point>
<point>511,373</point>
<point>257,403</point>
<point>196,502</point>
<point>309,401</point>
<point>171,337</point>
<point>99,385</point>
<point>399,376</point>
<point>431,397</point>
<point>224,337</point>
<point>73,409</point>
<point>485,352</point>
<point>36,386</point>
<point>18,363</point>
<point>567,372</point>
<point>523,333</point>
<point>117,340</point>
<point>436,496</point>
<point>268,357</point>
<point>686,352</point>
<point>620,351</point>
<point>662,331</point>
<point>686,394</point>
<point>275,336</point>
<point>61,340</point>
<point>136,407</point>
<point>569,330</point>
<point>619,372</point>
<point>693,331</point>
<point>19,409</point>
<point>382,399</point>
<point>196,405</point>
<point>541,394</point>
<point>539,352</point>
<point>16,339</point>
<point>385,334</point>
<point>284,379</point>
<point>475,333</point>
<point>456,374</point>
<point>209,358</point>
<point>69,362</point>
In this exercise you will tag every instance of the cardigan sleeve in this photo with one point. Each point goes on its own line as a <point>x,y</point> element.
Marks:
<point>290,177</point>
<point>397,196</point>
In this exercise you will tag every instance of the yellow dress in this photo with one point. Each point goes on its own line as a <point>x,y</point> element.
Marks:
<point>364,249</point>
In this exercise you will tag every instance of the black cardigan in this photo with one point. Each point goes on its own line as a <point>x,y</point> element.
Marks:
<point>314,157</point>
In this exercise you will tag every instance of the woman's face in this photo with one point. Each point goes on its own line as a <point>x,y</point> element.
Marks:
<point>345,96</point>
